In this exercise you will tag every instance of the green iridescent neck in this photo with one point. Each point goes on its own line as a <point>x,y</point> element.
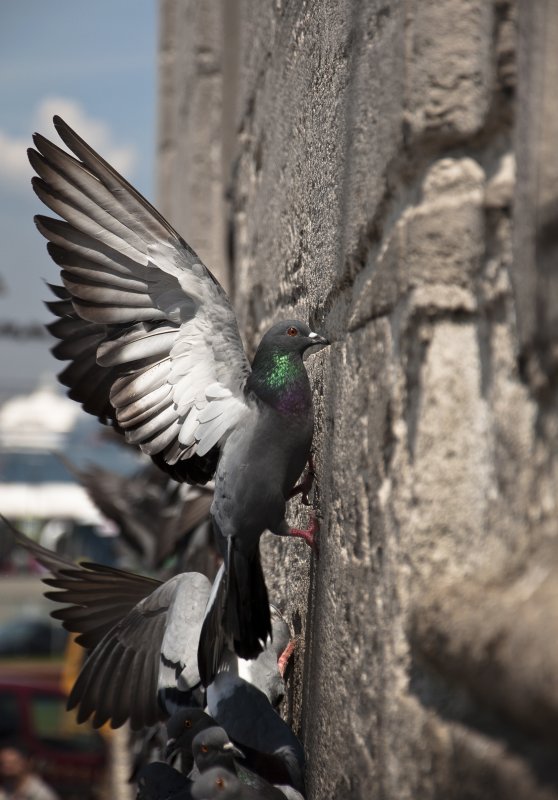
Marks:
<point>283,369</point>
<point>280,380</point>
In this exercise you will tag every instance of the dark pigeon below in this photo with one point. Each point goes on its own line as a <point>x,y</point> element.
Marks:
<point>145,746</point>
<point>157,781</point>
<point>242,698</point>
<point>142,635</point>
<point>262,671</point>
<point>182,727</point>
<point>154,350</point>
<point>256,728</point>
<point>220,784</point>
<point>213,748</point>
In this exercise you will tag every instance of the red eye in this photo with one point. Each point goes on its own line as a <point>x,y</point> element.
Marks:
<point>204,748</point>
<point>292,331</point>
<point>220,783</point>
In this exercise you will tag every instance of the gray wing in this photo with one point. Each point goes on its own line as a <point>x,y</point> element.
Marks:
<point>87,382</point>
<point>179,648</point>
<point>152,651</point>
<point>97,597</point>
<point>170,339</point>
<point>90,384</point>
<point>119,680</point>
<point>122,619</point>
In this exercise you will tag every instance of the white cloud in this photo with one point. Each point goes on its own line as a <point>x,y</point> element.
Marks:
<point>14,166</point>
<point>95,132</point>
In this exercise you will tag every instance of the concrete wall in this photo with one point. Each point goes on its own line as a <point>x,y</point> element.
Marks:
<point>354,163</point>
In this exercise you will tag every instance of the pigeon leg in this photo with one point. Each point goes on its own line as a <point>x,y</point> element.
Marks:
<point>308,534</point>
<point>305,486</point>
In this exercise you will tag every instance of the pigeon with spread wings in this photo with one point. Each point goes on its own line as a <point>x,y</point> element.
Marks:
<point>154,348</point>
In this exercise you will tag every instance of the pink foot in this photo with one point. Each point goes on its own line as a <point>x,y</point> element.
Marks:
<point>308,534</point>
<point>285,656</point>
<point>305,486</point>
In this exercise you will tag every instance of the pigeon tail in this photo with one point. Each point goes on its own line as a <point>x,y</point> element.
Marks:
<point>247,618</point>
<point>237,614</point>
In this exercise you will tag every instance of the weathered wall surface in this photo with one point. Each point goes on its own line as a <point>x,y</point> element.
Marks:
<point>369,153</point>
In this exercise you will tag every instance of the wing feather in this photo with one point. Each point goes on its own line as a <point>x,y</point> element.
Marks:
<point>156,327</point>
<point>136,412</point>
<point>123,619</point>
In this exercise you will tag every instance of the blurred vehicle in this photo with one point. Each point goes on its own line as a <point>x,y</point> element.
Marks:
<point>32,636</point>
<point>36,486</point>
<point>72,758</point>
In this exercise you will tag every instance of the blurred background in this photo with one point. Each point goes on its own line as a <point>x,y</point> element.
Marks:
<point>94,65</point>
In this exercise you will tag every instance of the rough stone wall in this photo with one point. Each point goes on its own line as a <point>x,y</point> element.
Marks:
<point>369,159</point>
<point>190,174</point>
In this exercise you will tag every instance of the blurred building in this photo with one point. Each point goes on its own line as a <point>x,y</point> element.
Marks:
<point>41,435</point>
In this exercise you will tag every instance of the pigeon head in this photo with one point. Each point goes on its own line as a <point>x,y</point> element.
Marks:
<point>183,726</point>
<point>290,336</point>
<point>213,748</point>
<point>278,375</point>
<point>217,783</point>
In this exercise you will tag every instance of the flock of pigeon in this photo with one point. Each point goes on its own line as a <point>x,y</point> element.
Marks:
<point>155,352</point>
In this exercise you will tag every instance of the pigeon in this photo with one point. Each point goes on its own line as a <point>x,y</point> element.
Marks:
<point>155,350</point>
<point>252,723</point>
<point>182,727</point>
<point>158,781</point>
<point>220,784</point>
<point>153,514</point>
<point>213,748</point>
<point>262,672</point>
<point>145,746</point>
<point>142,635</point>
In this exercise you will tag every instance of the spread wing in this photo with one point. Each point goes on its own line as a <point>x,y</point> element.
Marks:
<point>136,628</point>
<point>145,655</point>
<point>152,339</point>
<point>99,597</point>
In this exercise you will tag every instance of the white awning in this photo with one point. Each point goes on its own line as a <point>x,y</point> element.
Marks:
<point>48,501</point>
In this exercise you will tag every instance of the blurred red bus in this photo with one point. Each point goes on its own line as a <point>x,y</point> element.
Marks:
<point>72,758</point>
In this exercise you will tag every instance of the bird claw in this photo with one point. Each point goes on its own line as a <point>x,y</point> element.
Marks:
<point>308,534</point>
<point>284,658</point>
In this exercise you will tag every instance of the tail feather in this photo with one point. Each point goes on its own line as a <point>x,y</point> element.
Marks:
<point>237,614</point>
<point>247,617</point>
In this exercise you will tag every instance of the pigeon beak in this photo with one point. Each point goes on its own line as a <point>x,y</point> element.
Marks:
<point>170,748</point>
<point>317,339</point>
<point>230,748</point>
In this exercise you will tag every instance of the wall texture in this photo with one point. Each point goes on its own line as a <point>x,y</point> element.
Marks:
<point>387,169</point>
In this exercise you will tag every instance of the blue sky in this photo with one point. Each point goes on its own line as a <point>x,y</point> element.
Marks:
<point>95,64</point>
